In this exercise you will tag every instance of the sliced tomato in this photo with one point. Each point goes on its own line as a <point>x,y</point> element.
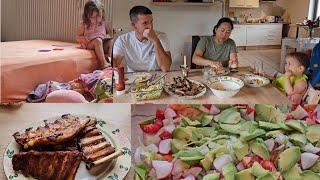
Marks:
<point>159,122</point>
<point>208,106</point>
<point>167,157</point>
<point>310,107</point>
<point>190,112</point>
<point>247,161</point>
<point>268,165</point>
<point>178,107</point>
<point>289,117</point>
<point>160,114</point>
<point>150,128</point>
<point>274,156</point>
<point>165,135</point>
<point>250,110</point>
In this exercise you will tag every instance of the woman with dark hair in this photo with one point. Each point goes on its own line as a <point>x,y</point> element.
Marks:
<point>217,50</point>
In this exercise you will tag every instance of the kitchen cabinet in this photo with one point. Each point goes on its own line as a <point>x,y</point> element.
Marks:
<point>257,35</point>
<point>244,3</point>
<point>239,35</point>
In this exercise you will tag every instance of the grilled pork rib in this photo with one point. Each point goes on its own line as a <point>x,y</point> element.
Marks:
<point>58,165</point>
<point>60,131</point>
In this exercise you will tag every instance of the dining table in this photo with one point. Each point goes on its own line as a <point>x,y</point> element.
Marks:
<point>16,117</point>
<point>267,94</point>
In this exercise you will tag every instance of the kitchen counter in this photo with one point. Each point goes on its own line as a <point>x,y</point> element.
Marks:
<point>261,23</point>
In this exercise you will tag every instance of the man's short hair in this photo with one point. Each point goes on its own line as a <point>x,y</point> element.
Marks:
<point>138,10</point>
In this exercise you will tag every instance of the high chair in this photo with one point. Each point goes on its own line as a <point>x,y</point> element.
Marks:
<point>312,96</point>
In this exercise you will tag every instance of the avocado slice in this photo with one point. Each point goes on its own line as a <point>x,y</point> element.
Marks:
<point>268,176</point>
<point>309,175</point>
<point>212,176</point>
<point>274,133</point>
<point>260,148</point>
<point>267,113</point>
<point>181,133</point>
<point>296,124</point>
<point>188,122</point>
<point>141,171</point>
<point>298,139</point>
<point>246,135</point>
<point>258,170</point>
<point>316,167</point>
<point>293,174</point>
<point>282,124</point>
<point>206,120</point>
<point>228,116</point>
<point>313,133</point>
<point>240,150</point>
<point>207,162</point>
<point>268,126</point>
<point>231,128</point>
<point>177,145</point>
<point>229,171</point>
<point>189,156</point>
<point>244,174</point>
<point>150,120</point>
<point>288,158</point>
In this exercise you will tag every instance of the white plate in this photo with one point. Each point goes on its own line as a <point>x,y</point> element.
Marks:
<point>207,72</point>
<point>140,76</point>
<point>187,97</point>
<point>118,169</point>
<point>253,80</point>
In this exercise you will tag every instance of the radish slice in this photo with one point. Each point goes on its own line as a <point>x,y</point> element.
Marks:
<point>299,113</point>
<point>165,146</point>
<point>170,128</point>
<point>311,149</point>
<point>219,162</point>
<point>177,167</point>
<point>169,113</point>
<point>153,148</point>
<point>240,166</point>
<point>166,122</point>
<point>308,160</point>
<point>137,155</point>
<point>152,173</point>
<point>318,112</point>
<point>214,110</point>
<point>177,176</point>
<point>177,120</point>
<point>270,144</point>
<point>162,168</point>
<point>194,171</point>
<point>190,177</point>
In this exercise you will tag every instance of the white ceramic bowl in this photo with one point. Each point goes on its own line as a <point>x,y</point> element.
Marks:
<point>225,86</point>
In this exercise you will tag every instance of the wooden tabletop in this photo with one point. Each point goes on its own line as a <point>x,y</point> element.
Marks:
<point>13,119</point>
<point>262,95</point>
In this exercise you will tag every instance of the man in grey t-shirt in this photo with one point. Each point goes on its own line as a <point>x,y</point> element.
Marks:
<point>142,49</point>
<point>217,50</point>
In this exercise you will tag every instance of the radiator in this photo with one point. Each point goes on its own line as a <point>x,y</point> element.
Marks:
<point>51,19</point>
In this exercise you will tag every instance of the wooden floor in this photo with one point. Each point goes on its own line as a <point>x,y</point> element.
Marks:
<point>269,57</point>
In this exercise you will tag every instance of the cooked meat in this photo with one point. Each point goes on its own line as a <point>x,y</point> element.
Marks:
<point>184,87</point>
<point>97,151</point>
<point>58,165</point>
<point>60,131</point>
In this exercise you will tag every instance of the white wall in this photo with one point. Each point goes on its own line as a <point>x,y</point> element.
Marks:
<point>179,22</point>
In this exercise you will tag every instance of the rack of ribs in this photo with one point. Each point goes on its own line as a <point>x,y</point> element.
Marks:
<point>58,165</point>
<point>60,131</point>
<point>97,151</point>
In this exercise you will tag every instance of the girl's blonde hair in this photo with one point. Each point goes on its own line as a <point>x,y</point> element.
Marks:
<point>89,8</point>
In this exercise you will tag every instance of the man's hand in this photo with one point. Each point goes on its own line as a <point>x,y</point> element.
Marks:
<point>233,64</point>
<point>216,64</point>
<point>151,35</point>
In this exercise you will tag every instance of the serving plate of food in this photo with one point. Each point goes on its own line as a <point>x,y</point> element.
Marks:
<point>68,147</point>
<point>137,77</point>
<point>253,80</point>
<point>214,71</point>
<point>185,88</point>
<point>216,142</point>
